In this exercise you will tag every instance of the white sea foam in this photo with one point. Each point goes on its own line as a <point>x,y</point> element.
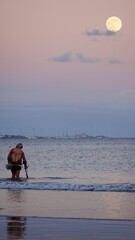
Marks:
<point>26,185</point>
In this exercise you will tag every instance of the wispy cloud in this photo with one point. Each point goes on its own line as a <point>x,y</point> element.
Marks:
<point>84,59</point>
<point>99,33</point>
<point>66,57</point>
<point>115,61</point>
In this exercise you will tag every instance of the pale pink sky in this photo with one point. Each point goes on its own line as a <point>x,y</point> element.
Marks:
<point>48,59</point>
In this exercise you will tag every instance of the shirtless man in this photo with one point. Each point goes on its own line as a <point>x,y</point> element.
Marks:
<point>16,158</point>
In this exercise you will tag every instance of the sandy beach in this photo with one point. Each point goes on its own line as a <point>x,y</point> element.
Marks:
<point>65,215</point>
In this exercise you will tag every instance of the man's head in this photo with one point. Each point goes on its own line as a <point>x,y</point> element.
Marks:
<point>19,145</point>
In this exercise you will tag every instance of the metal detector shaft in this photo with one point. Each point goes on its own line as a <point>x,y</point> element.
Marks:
<point>26,173</point>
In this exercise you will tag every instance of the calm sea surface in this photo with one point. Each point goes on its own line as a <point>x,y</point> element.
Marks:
<point>74,164</point>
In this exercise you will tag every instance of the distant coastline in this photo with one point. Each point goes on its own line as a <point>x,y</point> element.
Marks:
<point>78,136</point>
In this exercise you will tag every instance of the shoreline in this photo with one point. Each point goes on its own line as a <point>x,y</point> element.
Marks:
<point>68,218</point>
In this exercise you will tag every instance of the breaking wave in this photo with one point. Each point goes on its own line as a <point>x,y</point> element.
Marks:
<point>26,185</point>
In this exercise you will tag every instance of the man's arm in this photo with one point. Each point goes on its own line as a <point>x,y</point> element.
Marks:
<point>9,159</point>
<point>24,160</point>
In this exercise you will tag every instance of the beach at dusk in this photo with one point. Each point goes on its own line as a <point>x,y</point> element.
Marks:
<point>67,98</point>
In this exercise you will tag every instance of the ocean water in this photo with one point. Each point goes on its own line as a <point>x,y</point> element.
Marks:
<point>73,165</point>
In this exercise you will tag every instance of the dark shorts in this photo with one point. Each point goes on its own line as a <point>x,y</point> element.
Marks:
<point>15,168</point>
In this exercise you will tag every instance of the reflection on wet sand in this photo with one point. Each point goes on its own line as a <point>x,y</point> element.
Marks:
<point>16,195</point>
<point>16,227</point>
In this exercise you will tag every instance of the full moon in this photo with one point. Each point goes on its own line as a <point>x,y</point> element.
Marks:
<point>113,24</point>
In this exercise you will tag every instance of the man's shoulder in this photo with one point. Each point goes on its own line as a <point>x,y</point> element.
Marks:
<point>12,149</point>
<point>16,150</point>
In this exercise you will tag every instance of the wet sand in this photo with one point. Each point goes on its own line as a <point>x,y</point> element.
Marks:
<point>67,204</point>
<point>67,229</point>
<point>66,215</point>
